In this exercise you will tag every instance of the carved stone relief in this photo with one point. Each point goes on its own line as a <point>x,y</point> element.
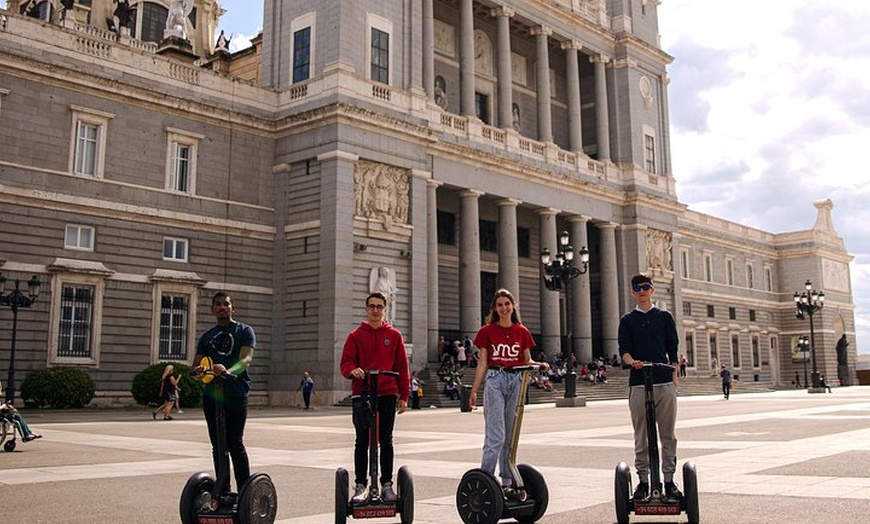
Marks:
<point>381,193</point>
<point>658,251</point>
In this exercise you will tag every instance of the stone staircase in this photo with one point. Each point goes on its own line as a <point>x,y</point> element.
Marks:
<point>616,388</point>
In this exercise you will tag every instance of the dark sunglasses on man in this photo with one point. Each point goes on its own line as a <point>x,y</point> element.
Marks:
<point>641,287</point>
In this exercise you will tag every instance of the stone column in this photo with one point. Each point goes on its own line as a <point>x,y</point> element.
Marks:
<point>466,59</point>
<point>602,118</point>
<point>542,57</point>
<point>581,298</point>
<point>508,251</point>
<point>335,272</point>
<point>418,301</point>
<point>469,263</point>
<point>550,318</point>
<point>575,129</point>
<point>429,49</point>
<point>505,80</point>
<point>609,290</point>
<point>432,263</point>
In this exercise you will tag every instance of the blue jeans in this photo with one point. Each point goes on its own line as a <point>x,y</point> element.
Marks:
<point>500,395</point>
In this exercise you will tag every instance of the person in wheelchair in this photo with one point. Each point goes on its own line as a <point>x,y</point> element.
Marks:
<point>8,412</point>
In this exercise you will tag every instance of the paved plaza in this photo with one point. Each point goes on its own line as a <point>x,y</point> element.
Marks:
<point>761,458</point>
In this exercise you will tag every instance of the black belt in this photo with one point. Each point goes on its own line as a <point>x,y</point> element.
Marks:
<point>503,369</point>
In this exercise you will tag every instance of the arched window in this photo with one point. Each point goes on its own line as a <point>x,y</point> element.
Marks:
<point>150,21</point>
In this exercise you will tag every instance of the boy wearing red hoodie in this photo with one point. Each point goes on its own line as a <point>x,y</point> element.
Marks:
<point>375,345</point>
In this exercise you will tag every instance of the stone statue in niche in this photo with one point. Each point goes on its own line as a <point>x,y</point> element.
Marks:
<point>658,251</point>
<point>440,92</point>
<point>381,193</point>
<point>383,279</point>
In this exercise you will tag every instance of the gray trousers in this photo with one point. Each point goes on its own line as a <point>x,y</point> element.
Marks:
<point>665,396</point>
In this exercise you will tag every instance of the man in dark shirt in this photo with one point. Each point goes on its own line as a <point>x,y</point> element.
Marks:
<point>726,381</point>
<point>648,334</point>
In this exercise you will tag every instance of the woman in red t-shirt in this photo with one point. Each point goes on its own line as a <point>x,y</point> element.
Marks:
<point>503,343</point>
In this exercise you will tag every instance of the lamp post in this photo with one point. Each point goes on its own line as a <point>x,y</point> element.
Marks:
<point>804,345</point>
<point>808,303</point>
<point>16,299</point>
<point>559,271</point>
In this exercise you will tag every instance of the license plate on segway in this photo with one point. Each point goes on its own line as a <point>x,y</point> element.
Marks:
<point>374,511</point>
<point>657,508</point>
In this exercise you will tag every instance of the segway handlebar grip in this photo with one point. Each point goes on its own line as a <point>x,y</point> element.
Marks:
<point>529,367</point>
<point>382,372</point>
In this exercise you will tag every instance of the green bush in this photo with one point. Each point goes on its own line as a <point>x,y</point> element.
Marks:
<point>146,385</point>
<point>58,387</point>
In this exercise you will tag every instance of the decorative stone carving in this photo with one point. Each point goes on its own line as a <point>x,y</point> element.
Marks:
<point>176,19</point>
<point>383,279</point>
<point>482,53</point>
<point>836,275</point>
<point>381,193</point>
<point>658,251</point>
<point>645,87</point>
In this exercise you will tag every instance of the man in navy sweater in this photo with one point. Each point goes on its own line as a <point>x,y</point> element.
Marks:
<point>649,334</point>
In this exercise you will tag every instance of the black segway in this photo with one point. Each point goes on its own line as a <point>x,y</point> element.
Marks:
<point>656,503</point>
<point>203,500</point>
<point>481,500</point>
<point>374,506</point>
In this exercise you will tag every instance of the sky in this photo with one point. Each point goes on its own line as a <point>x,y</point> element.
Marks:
<point>770,104</point>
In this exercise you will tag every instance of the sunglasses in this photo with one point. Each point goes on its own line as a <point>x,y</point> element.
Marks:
<point>642,287</point>
<point>375,307</point>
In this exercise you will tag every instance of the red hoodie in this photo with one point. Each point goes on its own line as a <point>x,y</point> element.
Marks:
<point>381,349</point>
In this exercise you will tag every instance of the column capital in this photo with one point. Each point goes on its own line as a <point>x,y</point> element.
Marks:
<point>544,211</point>
<point>606,225</point>
<point>502,11</point>
<point>572,44</point>
<point>431,182</point>
<point>509,202</point>
<point>599,57</point>
<point>580,218</point>
<point>471,193</point>
<point>419,173</point>
<point>277,168</point>
<point>540,30</point>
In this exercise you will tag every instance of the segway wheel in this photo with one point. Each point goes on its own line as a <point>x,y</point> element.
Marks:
<point>9,447</point>
<point>690,484</point>
<point>479,498</point>
<point>258,500</point>
<point>406,495</point>
<point>189,505</point>
<point>536,488</point>
<point>621,492</point>
<point>341,495</point>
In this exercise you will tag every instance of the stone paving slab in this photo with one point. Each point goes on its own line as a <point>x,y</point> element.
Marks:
<point>761,458</point>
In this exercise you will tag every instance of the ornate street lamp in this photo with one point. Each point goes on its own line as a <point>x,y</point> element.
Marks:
<point>808,303</point>
<point>559,271</point>
<point>16,299</point>
<point>804,348</point>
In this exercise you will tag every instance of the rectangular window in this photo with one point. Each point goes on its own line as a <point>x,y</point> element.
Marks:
<point>380,56</point>
<point>174,318</point>
<point>301,55</point>
<point>750,276</point>
<point>735,351</point>
<point>690,349</point>
<point>708,267</point>
<point>768,279</point>
<point>752,315</point>
<point>729,272</point>
<point>175,249</point>
<point>78,237</point>
<point>711,311</point>
<point>524,242</point>
<point>756,354</point>
<point>76,318</point>
<point>481,107</point>
<point>687,309</point>
<point>649,153</point>
<point>714,347</point>
<point>181,162</point>
<point>446,228</point>
<point>684,263</point>
<point>488,236</point>
<point>87,148</point>
<point>88,141</point>
<point>732,313</point>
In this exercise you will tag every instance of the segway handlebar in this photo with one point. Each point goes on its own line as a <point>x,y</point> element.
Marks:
<point>382,372</point>
<point>651,365</point>
<point>520,369</point>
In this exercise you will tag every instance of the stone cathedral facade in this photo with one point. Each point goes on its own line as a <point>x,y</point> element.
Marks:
<point>430,148</point>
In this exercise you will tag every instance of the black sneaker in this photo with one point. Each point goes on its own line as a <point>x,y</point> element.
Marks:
<point>641,492</point>
<point>512,493</point>
<point>672,491</point>
<point>387,493</point>
<point>359,494</point>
